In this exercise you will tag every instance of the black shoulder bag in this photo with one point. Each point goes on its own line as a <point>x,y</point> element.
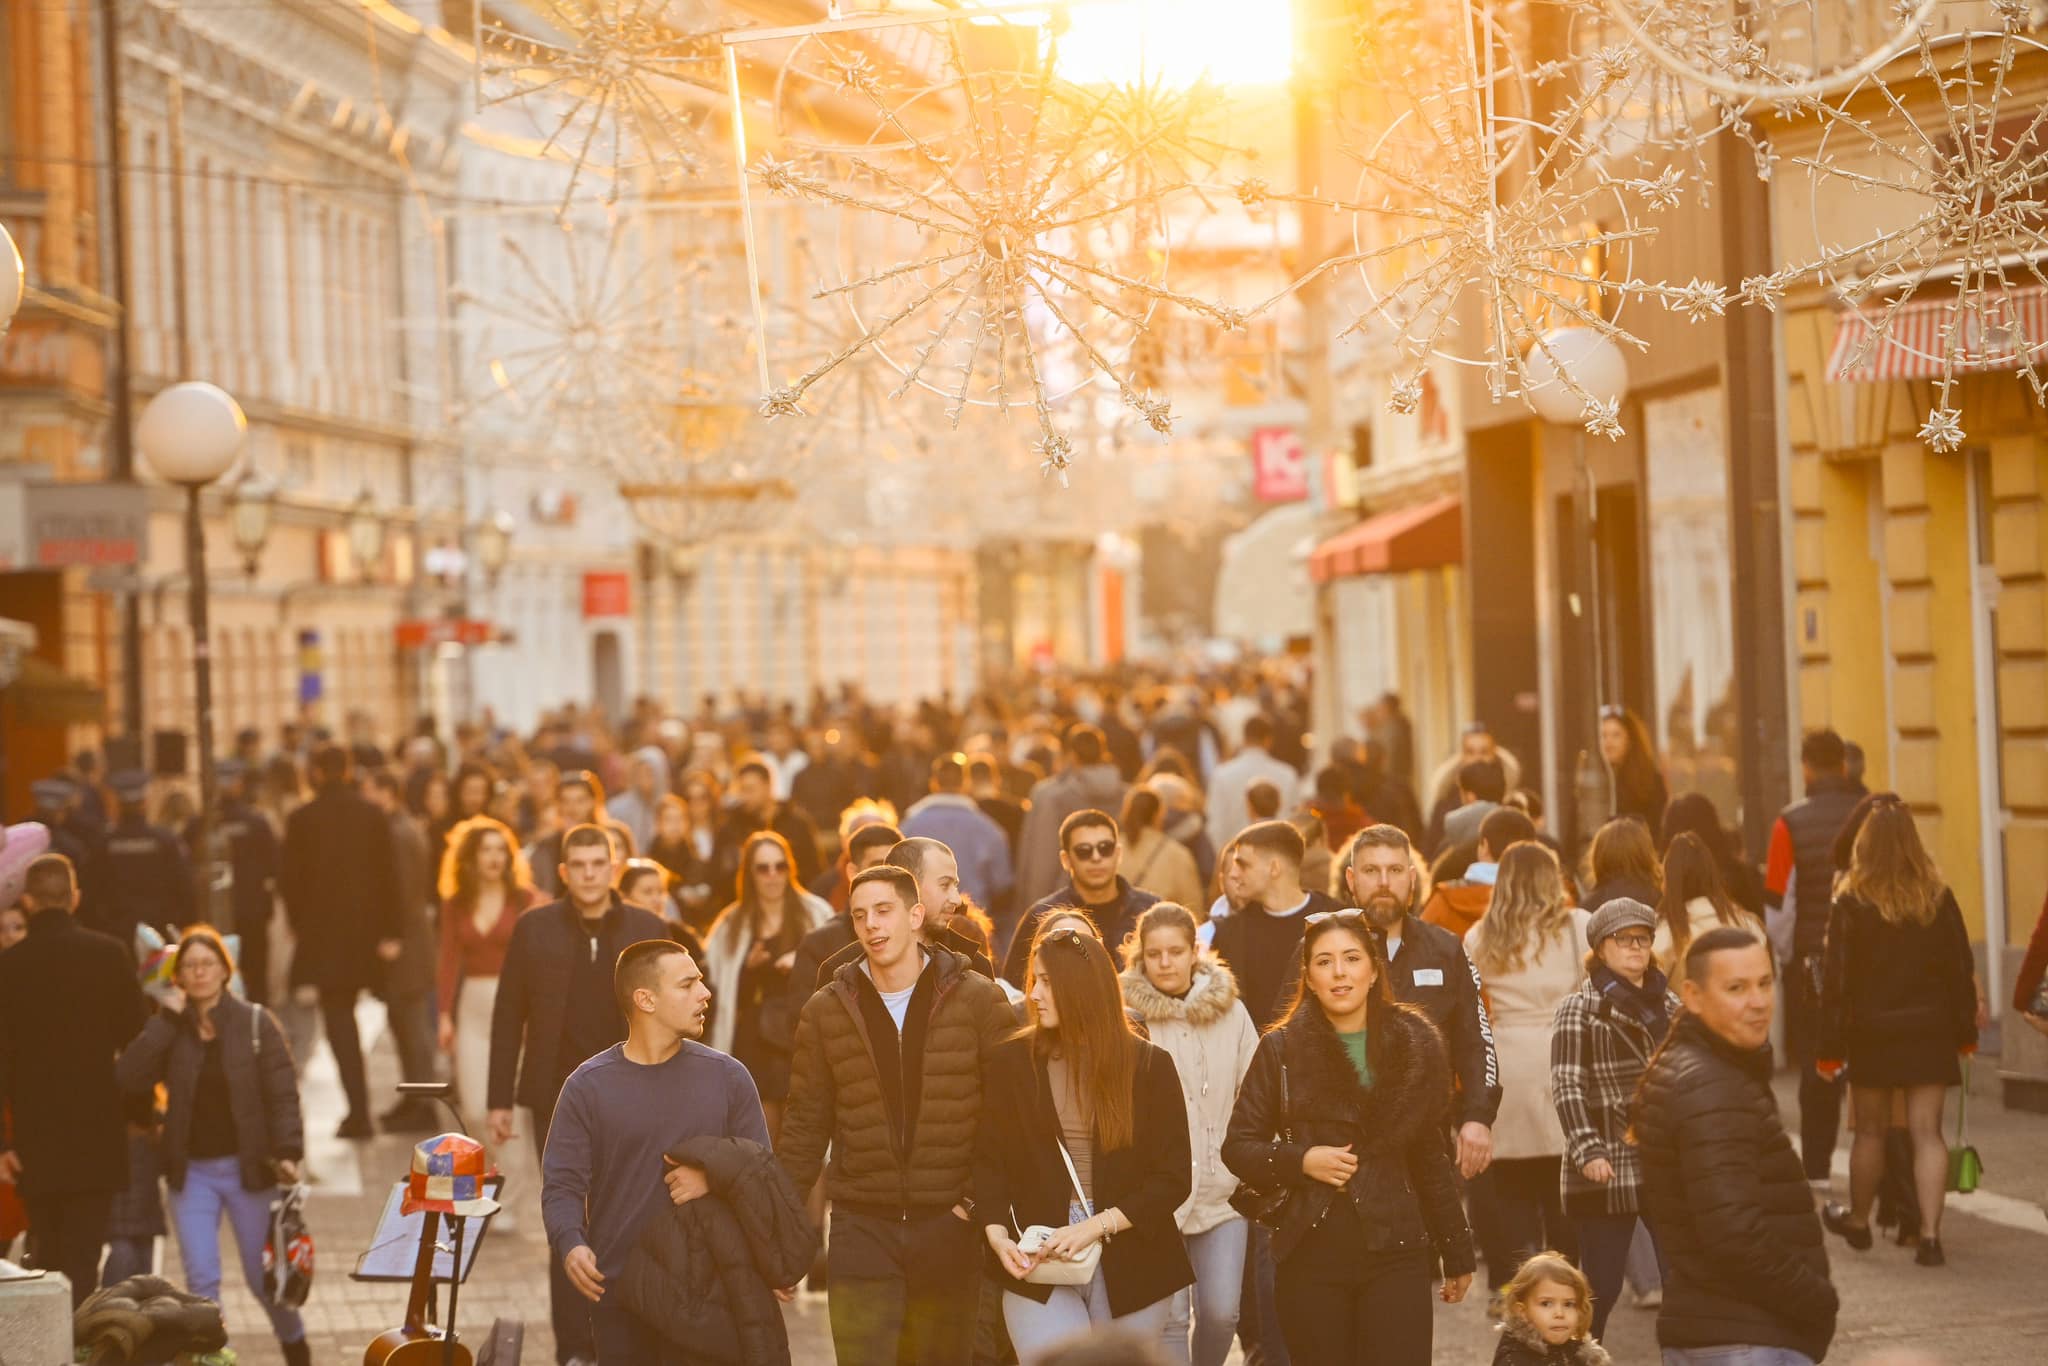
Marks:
<point>1269,1206</point>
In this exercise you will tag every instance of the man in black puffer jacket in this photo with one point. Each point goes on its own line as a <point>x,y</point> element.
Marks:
<point>703,1277</point>
<point>1721,1184</point>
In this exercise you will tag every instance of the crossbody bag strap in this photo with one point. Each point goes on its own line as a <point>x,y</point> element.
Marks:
<point>1963,1104</point>
<point>1286,1106</point>
<point>1075,1177</point>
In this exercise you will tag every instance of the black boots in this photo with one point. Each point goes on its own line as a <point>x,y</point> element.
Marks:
<point>298,1353</point>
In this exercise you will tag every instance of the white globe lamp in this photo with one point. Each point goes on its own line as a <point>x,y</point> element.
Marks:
<point>1589,358</point>
<point>191,433</point>
<point>12,278</point>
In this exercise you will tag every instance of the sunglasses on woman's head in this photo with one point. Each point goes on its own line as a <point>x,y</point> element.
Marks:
<point>1067,934</point>
<point>1090,852</point>
<point>1611,712</point>
<point>776,867</point>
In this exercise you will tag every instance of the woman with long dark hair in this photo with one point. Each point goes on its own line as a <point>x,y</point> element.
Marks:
<point>1695,812</point>
<point>1345,1109</point>
<point>1155,861</point>
<point>232,1131</point>
<point>1898,1005</point>
<point>1622,861</point>
<point>1631,758</point>
<point>748,955</point>
<point>1694,902</point>
<point>1083,1131</point>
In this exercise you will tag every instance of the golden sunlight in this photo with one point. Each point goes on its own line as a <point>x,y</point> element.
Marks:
<point>1178,42</point>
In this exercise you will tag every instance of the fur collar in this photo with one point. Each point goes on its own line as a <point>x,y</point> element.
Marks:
<point>1411,1089</point>
<point>1584,1352</point>
<point>1208,1000</point>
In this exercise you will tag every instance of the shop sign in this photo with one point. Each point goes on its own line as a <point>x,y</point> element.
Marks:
<point>66,525</point>
<point>1279,465</point>
<point>607,593</point>
<point>431,631</point>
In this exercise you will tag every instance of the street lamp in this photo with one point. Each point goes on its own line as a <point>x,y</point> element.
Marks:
<point>250,504</point>
<point>190,434</point>
<point>365,534</point>
<point>12,275</point>
<point>492,540</point>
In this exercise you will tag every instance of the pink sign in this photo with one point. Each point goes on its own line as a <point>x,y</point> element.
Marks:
<point>1279,465</point>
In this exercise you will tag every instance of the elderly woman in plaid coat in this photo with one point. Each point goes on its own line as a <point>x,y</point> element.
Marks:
<point>1601,1041</point>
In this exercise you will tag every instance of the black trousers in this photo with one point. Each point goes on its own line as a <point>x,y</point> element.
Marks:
<point>70,1235</point>
<point>1370,1310</point>
<point>904,1290</point>
<point>254,961</point>
<point>1820,1101</point>
<point>1604,1241</point>
<point>1490,1228</point>
<point>620,1339</point>
<point>568,1311</point>
<point>412,1029</point>
<point>1531,1211</point>
<point>338,1018</point>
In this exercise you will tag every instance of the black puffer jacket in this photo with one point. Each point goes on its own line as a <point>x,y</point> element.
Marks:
<point>263,1088</point>
<point>1520,1345</point>
<point>1405,1189</point>
<point>1729,1201</point>
<point>705,1276</point>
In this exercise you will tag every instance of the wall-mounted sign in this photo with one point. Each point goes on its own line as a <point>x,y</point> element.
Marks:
<point>1279,465</point>
<point>607,593</point>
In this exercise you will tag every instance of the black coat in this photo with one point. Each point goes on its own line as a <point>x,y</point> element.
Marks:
<point>1020,1178</point>
<point>533,997</point>
<point>340,883</point>
<point>415,871</point>
<point>1520,1345</point>
<point>140,876</point>
<point>1729,1200</point>
<point>1405,1190</point>
<point>69,1003</point>
<point>1114,922</point>
<point>263,1087</point>
<point>704,1274</point>
<point>1897,1001</point>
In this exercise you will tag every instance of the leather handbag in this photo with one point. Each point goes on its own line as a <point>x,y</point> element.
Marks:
<point>1269,1206</point>
<point>1965,1168</point>
<point>1076,1270</point>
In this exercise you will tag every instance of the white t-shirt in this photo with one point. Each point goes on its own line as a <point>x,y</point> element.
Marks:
<point>897,1002</point>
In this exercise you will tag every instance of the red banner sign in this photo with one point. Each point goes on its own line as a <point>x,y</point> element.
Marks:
<point>1279,465</point>
<point>607,593</point>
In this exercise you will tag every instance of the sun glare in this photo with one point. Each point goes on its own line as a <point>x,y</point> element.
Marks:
<point>1178,42</point>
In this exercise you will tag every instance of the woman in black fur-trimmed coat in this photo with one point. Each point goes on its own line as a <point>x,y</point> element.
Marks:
<point>1346,1107</point>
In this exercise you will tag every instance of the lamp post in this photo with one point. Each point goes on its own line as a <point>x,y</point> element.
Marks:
<point>12,278</point>
<point>250,504</point>
<point>492,541</point>
<point>190,434</point>
<point>365,534</point>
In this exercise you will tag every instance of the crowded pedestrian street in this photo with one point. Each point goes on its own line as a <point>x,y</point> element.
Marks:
<point>1023,683</point>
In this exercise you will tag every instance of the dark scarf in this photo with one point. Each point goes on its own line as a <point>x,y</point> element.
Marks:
<point>1644,1004</point>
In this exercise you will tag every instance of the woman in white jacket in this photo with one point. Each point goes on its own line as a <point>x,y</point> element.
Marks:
<point>1188,1000</point>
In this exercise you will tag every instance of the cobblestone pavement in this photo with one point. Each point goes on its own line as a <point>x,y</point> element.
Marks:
<point>1986,1308</point>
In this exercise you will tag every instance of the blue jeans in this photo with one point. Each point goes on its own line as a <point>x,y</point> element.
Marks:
<point>1735,1356</point>
<point>213,1187</point>
<point>1071,1311</point>
<point>1218,1257</point>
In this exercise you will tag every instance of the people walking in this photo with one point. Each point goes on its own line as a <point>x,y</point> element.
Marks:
<point>556,1007</point>
<point>232,1132</point>
<point>755,809</point>
<point>408,985</point>
<point>1621,861</point>
<point>1633,768</point>
<point>606,1171</point>
<point>1527,950</point>
<point>685,847</point>
<point>142,874</point>
<point>1087,781</point>
<point>865,847</point>
<point>1233,778</point>
<point>579,800</point>
<point>1344,1110</point>
<point>252,855</point>
<point>1547,1317</point>
<point>1157,862</point>
<point>1693,902</point>
<point>69,1003</point>
<point>339,877</point>
<point>1898,1006</point>
<point>953,818</point>
<point>1187,998</point>
<point>1084,1134</point>
<point>889,1076</point>
<point>1091,852</point>
<point>1603,1036</point>
<point>1746,1279</point>
<point>1457,904</point>
<point>1801,859</point>
<point>748,956</point>
<point>1260,941</point>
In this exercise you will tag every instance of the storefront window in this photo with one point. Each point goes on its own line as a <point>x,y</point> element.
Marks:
<point>1686,479</point>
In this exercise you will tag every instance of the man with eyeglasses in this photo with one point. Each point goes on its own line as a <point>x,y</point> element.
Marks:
<point>1091,851</point>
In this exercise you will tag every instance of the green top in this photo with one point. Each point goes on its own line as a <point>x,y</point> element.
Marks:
<point>1354,1044</point>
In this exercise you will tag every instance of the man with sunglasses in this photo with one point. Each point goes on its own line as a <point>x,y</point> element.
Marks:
<point>1091,851</point>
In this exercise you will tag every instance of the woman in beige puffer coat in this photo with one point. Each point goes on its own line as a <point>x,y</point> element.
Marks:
<point>1188,1000</point>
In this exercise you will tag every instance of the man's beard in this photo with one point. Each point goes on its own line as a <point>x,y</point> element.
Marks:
<point>1384,910</point>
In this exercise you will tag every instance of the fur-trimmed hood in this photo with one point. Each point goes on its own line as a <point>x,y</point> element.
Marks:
<point>1522,1345</point>
<point>1411,1088</point>
<point>1209,998</point>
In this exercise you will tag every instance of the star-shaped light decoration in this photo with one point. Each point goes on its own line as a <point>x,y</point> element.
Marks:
<point>612,86</point>
<point>1953,177</point>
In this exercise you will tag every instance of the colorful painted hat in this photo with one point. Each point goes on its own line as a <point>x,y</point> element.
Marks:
<point>448,1174</point>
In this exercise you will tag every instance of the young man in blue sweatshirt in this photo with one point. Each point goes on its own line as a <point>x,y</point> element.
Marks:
<point>619,1113</point>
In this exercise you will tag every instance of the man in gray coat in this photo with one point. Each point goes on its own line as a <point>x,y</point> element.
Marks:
<point>1086,780</point>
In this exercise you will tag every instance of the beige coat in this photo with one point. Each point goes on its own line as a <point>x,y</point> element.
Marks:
<point>1211,1040</point>
<point>1523,1004</point>
<point>1158,863</point>
<point>1700,913</point>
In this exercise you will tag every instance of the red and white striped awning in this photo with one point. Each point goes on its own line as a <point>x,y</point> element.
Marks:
<point>1997,332</point>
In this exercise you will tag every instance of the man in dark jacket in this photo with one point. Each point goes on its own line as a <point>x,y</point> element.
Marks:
<point>340,887</point>
<point>1721,1184</point>
<point>887,1076</point>
<point>249,844</point>
<point>1802,843</point>
<point>69,1004</point>
<point>865,848</point>
<point>1092,853</point>
<point>755,809</point>
<point>555,1008</point>
<point>580,797</point>
<point>409,981</point>
<point>143,876</point>
<point>1086,781</point>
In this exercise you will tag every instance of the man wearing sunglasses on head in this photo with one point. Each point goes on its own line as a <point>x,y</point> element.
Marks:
<point>1091,850</point>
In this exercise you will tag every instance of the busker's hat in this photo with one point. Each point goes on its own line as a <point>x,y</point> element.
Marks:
<point>448,1174</point>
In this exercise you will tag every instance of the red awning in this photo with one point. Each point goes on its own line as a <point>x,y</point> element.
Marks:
<point>1997,332</point>
<point>1426,536</point>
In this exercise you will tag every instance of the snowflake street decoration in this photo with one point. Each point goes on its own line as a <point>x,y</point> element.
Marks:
<point>1024,223</point>
<point>1509,225</point>
<point>582,337</point>
<point>1957,200</point>
<point>611,85</point>
<point>715,472</point>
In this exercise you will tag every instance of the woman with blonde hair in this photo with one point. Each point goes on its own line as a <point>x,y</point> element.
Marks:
<point>1526,948</point>
<point>1898,1004</point>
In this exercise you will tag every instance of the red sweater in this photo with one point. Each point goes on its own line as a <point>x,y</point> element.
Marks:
<point>466,953</point>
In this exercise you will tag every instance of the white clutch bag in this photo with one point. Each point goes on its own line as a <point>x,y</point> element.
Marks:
<point>1060,1270</point>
